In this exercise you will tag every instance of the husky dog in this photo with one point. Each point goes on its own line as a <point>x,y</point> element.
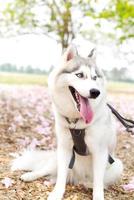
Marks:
<point>78,94</point>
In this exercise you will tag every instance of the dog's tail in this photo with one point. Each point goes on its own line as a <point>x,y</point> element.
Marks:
<point>31,160</point>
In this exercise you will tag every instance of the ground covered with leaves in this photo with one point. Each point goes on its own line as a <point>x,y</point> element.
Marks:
<point>26,120</point>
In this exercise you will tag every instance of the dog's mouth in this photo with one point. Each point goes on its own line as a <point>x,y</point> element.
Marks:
<point>83,105</point>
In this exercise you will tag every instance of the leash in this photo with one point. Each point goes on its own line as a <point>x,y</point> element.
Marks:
<point>127,123</point>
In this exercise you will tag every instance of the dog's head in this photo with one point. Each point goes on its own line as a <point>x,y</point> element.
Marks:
<point>77,86</point>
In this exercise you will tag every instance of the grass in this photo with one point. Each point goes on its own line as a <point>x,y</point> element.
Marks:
<point>22,79</point>
<point>120,86</point>
<point>34,79</point>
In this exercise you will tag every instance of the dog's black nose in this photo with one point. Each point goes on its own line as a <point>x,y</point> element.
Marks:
<point>94,93</point>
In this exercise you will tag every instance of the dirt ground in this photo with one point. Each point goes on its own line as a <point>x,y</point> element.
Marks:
<point>37,190</point>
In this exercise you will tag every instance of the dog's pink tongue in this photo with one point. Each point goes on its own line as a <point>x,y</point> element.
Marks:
<point>85,109</point>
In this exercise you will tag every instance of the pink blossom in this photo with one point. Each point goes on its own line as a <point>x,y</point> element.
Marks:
<point>40,129</point>
<point>43,130</point>
<point>49,183</point>
<point>45,122</point>
<point>19,119</point>
<point>129,186</point>
<point>34,143</point>
<point>7,182</point>
<point>12,128</point>
<point>24,142</point>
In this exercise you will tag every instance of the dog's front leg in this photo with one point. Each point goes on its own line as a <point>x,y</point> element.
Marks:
<point>63,159</point>
<point>100,158</point>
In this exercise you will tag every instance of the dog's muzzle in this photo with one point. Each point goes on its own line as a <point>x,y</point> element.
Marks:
<point>94,93</point>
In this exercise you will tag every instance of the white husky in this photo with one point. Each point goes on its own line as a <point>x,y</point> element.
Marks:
<point>78,94</point>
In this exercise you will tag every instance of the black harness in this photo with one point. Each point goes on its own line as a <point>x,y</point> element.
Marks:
<point>80,146</point>
<point>78,136</point>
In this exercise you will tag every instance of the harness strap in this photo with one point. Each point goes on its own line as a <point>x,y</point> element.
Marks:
<point>80,146</point>
<point>128,123</point>
<point>72,161</point>
<point>110,159</point>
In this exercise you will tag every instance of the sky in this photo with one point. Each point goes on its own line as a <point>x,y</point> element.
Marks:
<point>42,52</point>
<point>37,51</point>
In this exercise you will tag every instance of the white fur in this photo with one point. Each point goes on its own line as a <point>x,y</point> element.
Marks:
<point>100,135</point>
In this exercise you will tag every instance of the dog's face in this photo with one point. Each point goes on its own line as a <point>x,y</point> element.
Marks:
<point>79,84</point>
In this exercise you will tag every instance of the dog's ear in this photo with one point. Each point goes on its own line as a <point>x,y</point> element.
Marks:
<point>70,53</point>
<point>92,54</point>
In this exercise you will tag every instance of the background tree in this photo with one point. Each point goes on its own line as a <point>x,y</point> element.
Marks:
<point>56,18</point>
<point>50,17</point>
<point>120,12</point>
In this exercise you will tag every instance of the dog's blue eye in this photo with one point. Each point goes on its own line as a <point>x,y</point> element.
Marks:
<point>80,75</point>
<point>94,78</point>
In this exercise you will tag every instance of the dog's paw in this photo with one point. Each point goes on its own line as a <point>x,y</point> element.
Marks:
<point>27,177</point>
<point>97,197</point>
<point>54,196</point>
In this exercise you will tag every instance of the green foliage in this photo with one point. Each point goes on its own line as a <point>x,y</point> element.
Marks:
<point>58,21</point>
<point>58,17</point>
<point>19,12</point>
<point>122,13</point>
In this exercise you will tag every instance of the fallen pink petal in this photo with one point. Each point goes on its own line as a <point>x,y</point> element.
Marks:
<point>34,143</point>
<point>7,182</point>
<point>49,183</point>
<point>24,142</point>
<point>128,187</point>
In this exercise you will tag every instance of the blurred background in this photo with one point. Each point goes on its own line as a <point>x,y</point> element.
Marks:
<point>33,34</point>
